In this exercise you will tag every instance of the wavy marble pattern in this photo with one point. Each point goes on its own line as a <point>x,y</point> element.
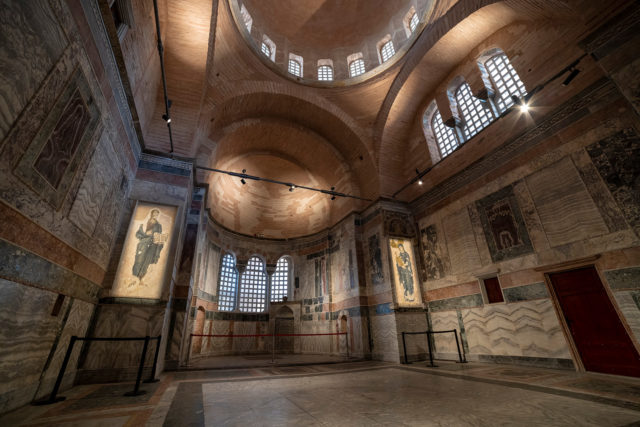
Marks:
<point>27,334</point>
<point>31,41</point>
<point>461,243</point>
<point>120,320</point>
<point>629,305</point>
<point>385,339</point>
<point>445,321</point>
<point>529,328</point>
<point>76,324</point>
<point>567,212</point>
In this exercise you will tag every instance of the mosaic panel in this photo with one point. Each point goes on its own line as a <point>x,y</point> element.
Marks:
<point>434,253</point>
<point>503,226</point>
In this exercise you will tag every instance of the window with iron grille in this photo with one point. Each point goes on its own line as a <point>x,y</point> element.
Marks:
<point>356,67</point>
<point>280,280</point>
<point>325,73</point>
<point>227,284</point>
<point>266,50</point>
<point>387,51</point>
<point>413,24</point>
<point>253,287</point>
<point>476,116</point>
<point>445,136</point>
<point>506,81</point>
<point>295,68</point>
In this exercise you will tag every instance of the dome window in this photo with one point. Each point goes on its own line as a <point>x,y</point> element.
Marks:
<point>246,18</point>
<point>295,68</point>
<point>325,73</point>
<point>413,23</point>
<point>387,51</point>
<point>356,67</point>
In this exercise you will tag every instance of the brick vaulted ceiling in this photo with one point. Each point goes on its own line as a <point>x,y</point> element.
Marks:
<point>233,109</point>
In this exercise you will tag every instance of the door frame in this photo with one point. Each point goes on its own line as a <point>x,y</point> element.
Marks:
<point>576,265</point>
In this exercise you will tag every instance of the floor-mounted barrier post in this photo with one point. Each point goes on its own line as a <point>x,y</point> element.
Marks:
<point>53,397</point>
<point>461,355</point>
<point>273,347</point>
<point>152,377</point>
<point>404,348</point>
<point>136,391</point>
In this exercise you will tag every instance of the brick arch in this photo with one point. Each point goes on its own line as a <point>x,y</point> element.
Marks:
<point>443,44</point>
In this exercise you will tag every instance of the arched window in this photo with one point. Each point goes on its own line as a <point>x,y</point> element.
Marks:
<point>227,284</point>
<point>413,23</point>
<point>476,117</point>
<point>445,136</point>
<point>280,280</point>
<point>295,68</point>
<point>253,287</point>
<point>356,67</point>
<point>246,18</point>
<point>325,73</point>
<point>387,51</point>
<point>268,47</point>
<point>506,81</point>
<point>266,50</point>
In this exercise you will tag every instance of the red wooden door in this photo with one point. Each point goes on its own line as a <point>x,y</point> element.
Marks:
<point>598,333</point>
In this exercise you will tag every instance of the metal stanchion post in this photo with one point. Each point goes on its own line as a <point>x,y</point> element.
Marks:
<point>136,391</point>
<point>152,377</point>
<point>455,332</point>
<point>346,337</point>
<point>404,347</point>
<point>430,351</point>
<point>53,398</point>
<point>273,347</point>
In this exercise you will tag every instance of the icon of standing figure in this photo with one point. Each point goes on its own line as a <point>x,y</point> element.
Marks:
<point>151,242</point>
<point>405,272</point>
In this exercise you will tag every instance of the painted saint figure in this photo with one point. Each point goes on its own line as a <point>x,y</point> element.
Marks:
<point>405,273</point>
<point>150,245</point>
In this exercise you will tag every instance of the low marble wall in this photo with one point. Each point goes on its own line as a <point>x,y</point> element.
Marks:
<point>33,341</point>
<point>384,337</point>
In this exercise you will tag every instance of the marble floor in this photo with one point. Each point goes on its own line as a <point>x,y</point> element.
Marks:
<point>352,394</point>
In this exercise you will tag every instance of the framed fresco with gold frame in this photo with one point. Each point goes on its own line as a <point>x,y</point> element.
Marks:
<point>143,264</point>
<point>406,286</point>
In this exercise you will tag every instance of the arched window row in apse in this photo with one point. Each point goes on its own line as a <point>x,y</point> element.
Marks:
<point>325,72</point>
<point>476,114</point>
<point>249,293</point>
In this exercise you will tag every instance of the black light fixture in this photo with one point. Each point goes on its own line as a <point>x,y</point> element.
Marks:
<point>243,177</point>
<point>419,177</point>
<point>572,75</point>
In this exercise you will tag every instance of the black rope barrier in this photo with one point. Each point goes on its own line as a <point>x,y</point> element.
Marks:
<point>53,397</point>
<point>461,356</point>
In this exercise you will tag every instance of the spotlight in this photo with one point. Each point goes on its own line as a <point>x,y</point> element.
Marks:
<point>333,196</point>
<point>572,75</point>
<point>521,103</point>
<point>419,182</point>
<point>292,187</point>
<point>243,181</point>
<point>166,118</point>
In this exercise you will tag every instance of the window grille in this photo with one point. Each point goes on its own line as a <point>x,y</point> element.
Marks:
<point>280,281</point>
<point>356,67</point>
<point>295,68</point>
<point>506,80</point>
<point>246,17</point>
<point>253,287</point>
<point>266,50</point>
<point>413,24</point>
<point>476,117</point>
<point>387,51</point>
<point>445,136</point>
<point>227,284</point>
<point>325,73</point>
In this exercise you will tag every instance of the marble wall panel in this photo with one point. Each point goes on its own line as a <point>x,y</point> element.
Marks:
<point>504,229</point>
<point>529,329</point>
<point>617,159</point>
<point>624,278</point>
<point>417,347</point>
<point>26,337</point>
<point>32,42</point>
<point>461,243</point>
<point>384,337</point>
<point>567,212</point>
<point>445,344</point>
<point>123,320</point>
<point>76,324</point>
<point>629,305</point>
<point>435,257</point>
